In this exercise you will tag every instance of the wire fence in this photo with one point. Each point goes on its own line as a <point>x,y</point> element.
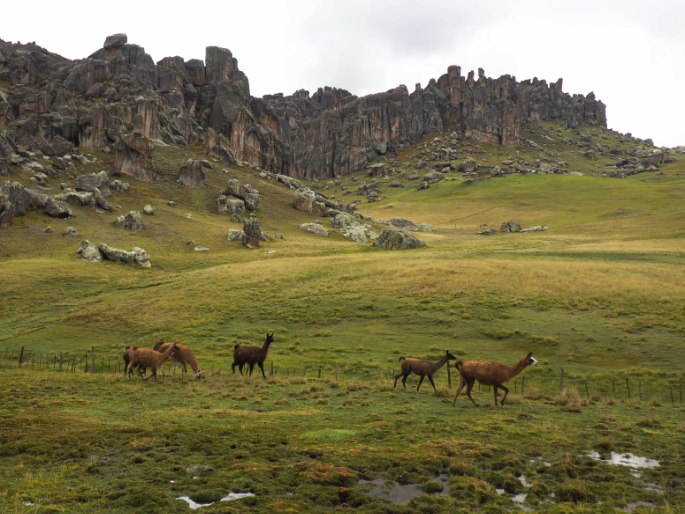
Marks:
<point>624,386</point>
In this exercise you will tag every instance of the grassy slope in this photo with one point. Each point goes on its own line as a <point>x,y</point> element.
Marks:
<point>600,292</point>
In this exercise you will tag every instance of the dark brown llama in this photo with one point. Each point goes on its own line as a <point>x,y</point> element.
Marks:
<point>251,355</point>
<point>421,367</point>
<point>489,373</point>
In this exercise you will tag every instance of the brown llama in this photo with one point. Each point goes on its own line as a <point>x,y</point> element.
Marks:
<point>127,359</point>
<point>421,367</point>
<point>489,373</point>
<point>184,356</point>
<point>251,355</point>
<point>149,358</point>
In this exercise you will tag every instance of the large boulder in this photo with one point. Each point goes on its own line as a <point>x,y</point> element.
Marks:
<point>314,228</point>
<point>394,239</point>
<point>252,233</point>
<point>131,221</point>
<point>403,223</point>
<point>135,256</point>
<point>304,200</point>
<point>89,251</point>
<point>234,207</point>
<point>248,194</point>
<point>94,183</point>
<point>511,226</point>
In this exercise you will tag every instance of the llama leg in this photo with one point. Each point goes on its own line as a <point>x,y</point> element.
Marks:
<point>404,380</point>
<point>494,390</point>
<point>420,381</point>
<point>233,367</point>
<point>506,392</point>
<point>469,386</point>
<point>430,377</point>
<point>396,377</point>
<point>261,366</point>
<point>461,386</point>
<point>251,367</point>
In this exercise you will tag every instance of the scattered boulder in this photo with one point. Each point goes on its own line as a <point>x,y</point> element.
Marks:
<point>56,209</point>
<point>487,231</point>
<point>94,183</point>
<point>234,234</point>
<point>511,226</point>
<point>315,228</point>
<point>468,165</point>
<point>73,197</point>
<point>304,200</point>
<point>397,239</point>
<point>403,223</point>
<point>70,232</point>
<point>131,221</point>
<point>235,207</point>
<point>148,209</point>
<point>192,175</point>
<point>89,251</point>
<point>252,233</point>
<point>245,192</point>
<point>135,256</point>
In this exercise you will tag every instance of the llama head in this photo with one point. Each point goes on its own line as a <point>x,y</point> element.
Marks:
<point>269,337</point>
<point>198,375</point>
<point>450,357</point>
<point>530,360</point>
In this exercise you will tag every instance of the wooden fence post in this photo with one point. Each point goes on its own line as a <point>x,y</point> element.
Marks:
<point>319,372</point>
<point>587,393</point>
<point>639,389</point>
<point>271,372</point>
<point>449,376</point>
<point>628,387</point>
<point>613,386</point>
<point>561,381</point>
<point>523,385</point>
<point>21,355</point>
<point>672,399</point>
<point>92,356</point>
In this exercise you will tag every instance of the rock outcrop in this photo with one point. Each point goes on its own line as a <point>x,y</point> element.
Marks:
<point>119,98</point>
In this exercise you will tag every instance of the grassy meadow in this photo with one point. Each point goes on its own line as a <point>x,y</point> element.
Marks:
<point>599,295</point>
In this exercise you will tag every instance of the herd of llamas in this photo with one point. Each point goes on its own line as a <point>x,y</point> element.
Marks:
<point>495,374</point>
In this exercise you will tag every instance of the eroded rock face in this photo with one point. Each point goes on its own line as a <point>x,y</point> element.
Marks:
<point>192,174</point>
<point>120,98</point>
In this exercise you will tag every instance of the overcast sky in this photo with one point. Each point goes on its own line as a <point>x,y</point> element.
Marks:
<point>630,53</point>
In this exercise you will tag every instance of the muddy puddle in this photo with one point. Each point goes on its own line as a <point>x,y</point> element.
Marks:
<point>229,497</point>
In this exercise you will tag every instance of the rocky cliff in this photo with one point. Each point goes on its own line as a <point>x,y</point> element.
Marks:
<point>121,99</point>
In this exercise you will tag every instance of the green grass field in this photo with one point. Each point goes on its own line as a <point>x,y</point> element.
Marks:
<point>600,295</point>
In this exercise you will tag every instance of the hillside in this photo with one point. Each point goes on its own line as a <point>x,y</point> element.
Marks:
<point>596,291</point>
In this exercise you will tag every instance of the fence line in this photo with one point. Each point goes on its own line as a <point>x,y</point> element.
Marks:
<point>595,387</point>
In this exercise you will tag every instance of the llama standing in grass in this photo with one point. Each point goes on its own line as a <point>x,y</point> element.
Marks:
<point>251,355</point>
<point>421,367</point>
<point>149,358</point>
<point>184,356</point>
<point>127,359</point>
<point>489,373</point>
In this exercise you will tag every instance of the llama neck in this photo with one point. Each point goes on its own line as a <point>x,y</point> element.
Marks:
<point>265,346</point>
<point>517,368</point>
<point>440,363</point>
<point>166,354</point>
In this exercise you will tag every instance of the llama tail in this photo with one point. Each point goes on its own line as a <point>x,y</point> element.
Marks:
<point>401,359</point>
